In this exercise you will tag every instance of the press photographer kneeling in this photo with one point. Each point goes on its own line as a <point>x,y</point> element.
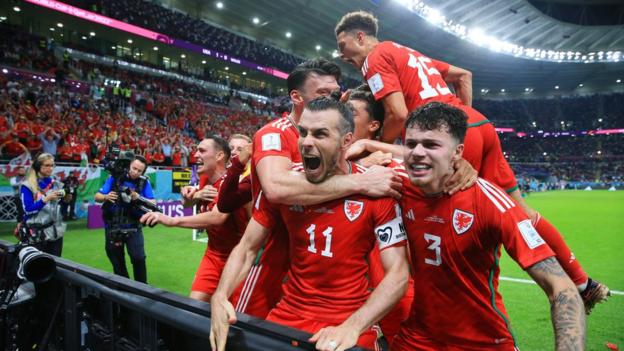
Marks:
<point>127,195</point>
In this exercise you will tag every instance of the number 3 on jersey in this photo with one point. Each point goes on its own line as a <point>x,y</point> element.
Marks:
<point>424,73</point>
<point>328,239</point>
<point>434,242</point>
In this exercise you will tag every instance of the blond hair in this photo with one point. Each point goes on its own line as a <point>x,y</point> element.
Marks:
<point>33,176</point>
<point>241,136</point>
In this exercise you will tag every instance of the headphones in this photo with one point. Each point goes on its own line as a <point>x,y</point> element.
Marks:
<point>37,164</point>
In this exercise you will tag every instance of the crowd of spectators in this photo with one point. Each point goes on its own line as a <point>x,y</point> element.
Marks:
<point>585,158</point>
<point>178,25</point>
<point>600,111</point>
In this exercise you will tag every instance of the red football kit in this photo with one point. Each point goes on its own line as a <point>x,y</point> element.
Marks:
<point>221,240</point>
<point>391,67</point>
<point>329,245</point>
<point>262,288</point>
<point>455,245</point>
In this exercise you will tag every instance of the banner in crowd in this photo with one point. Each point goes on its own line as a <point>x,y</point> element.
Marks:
<point>169,208</point>
<point>91,179</point>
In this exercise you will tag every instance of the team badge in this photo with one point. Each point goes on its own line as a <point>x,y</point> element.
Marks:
<point>353,209</point>
<point>462,221</point>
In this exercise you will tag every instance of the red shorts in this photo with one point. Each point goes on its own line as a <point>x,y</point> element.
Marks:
<point>209,272</point>
<point>406,341</point>
<point>284,316</point>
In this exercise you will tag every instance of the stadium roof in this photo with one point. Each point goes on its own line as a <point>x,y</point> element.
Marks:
<point>311,24</point>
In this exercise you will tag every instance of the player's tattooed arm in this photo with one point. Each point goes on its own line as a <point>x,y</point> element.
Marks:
<point>566,306</point>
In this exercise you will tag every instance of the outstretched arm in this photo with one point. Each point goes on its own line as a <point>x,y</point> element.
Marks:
<point>199,221</point>
<point>566,306</point>
<point>236,269</point>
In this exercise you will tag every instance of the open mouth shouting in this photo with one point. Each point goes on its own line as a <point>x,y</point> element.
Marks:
<point>312,165</point>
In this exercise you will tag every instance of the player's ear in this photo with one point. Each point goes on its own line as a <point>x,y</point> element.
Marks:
<point>220,156</point>
<point>347,140</point>
<point>296,97</point>
<point>359,36</point>
<point>374,126</point>
<point>459,151</point>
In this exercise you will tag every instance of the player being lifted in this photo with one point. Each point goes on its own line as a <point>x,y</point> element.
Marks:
<point>404,79</point>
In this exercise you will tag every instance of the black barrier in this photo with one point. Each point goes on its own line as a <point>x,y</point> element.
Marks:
<point>83,308</point>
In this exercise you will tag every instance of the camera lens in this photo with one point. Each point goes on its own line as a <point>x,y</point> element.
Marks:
<point>35,266</point>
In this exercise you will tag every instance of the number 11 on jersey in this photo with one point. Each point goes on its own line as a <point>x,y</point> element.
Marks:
<point>327,233</point>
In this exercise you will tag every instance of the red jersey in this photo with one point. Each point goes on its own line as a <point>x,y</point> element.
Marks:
<point>329,244</point>
<point>455,244</point>
<point>392,67</point>
<point>278,138</point>
<point>223,238</point>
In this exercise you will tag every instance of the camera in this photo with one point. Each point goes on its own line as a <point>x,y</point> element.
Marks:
<point>117,162</point>
<point>34,265</point>
<point>138,206</point>
<point>23,262</point>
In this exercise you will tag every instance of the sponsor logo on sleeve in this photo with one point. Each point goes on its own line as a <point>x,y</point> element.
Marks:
<point>529,234</point>
<point>271,141</point>
<point>462,221</point>
<point>375,83</point>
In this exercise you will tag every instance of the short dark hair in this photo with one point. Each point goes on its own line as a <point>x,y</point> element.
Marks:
<point>374,108</point>
<point>221,145</point>
<point>141,159</point>
<point>323,103</point>
<point>322,67</point>
<point>436,115</point>
<point>358,21</point>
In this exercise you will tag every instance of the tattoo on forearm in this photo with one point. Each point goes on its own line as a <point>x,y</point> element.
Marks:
<point>568,318</point>
<point>549,266</point>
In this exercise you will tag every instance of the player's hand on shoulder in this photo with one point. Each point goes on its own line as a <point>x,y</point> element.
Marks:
<point>208,193</point>
<point>337,338</point>
<point>357,150</point>
<point>463,178</point>
<point>188,191</point>
<point>222,314</point>
<point>380,181</point>
<point>377,158</point>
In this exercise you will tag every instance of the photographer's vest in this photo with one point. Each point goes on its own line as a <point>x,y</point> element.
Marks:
<point>48,222</point>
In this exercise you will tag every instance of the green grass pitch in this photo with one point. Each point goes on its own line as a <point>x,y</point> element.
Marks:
<point>592,224</point>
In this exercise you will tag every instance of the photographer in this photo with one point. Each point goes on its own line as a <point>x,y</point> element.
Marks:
<point>121,224</point>
<point>41,193</point>
<point>68,209</point>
